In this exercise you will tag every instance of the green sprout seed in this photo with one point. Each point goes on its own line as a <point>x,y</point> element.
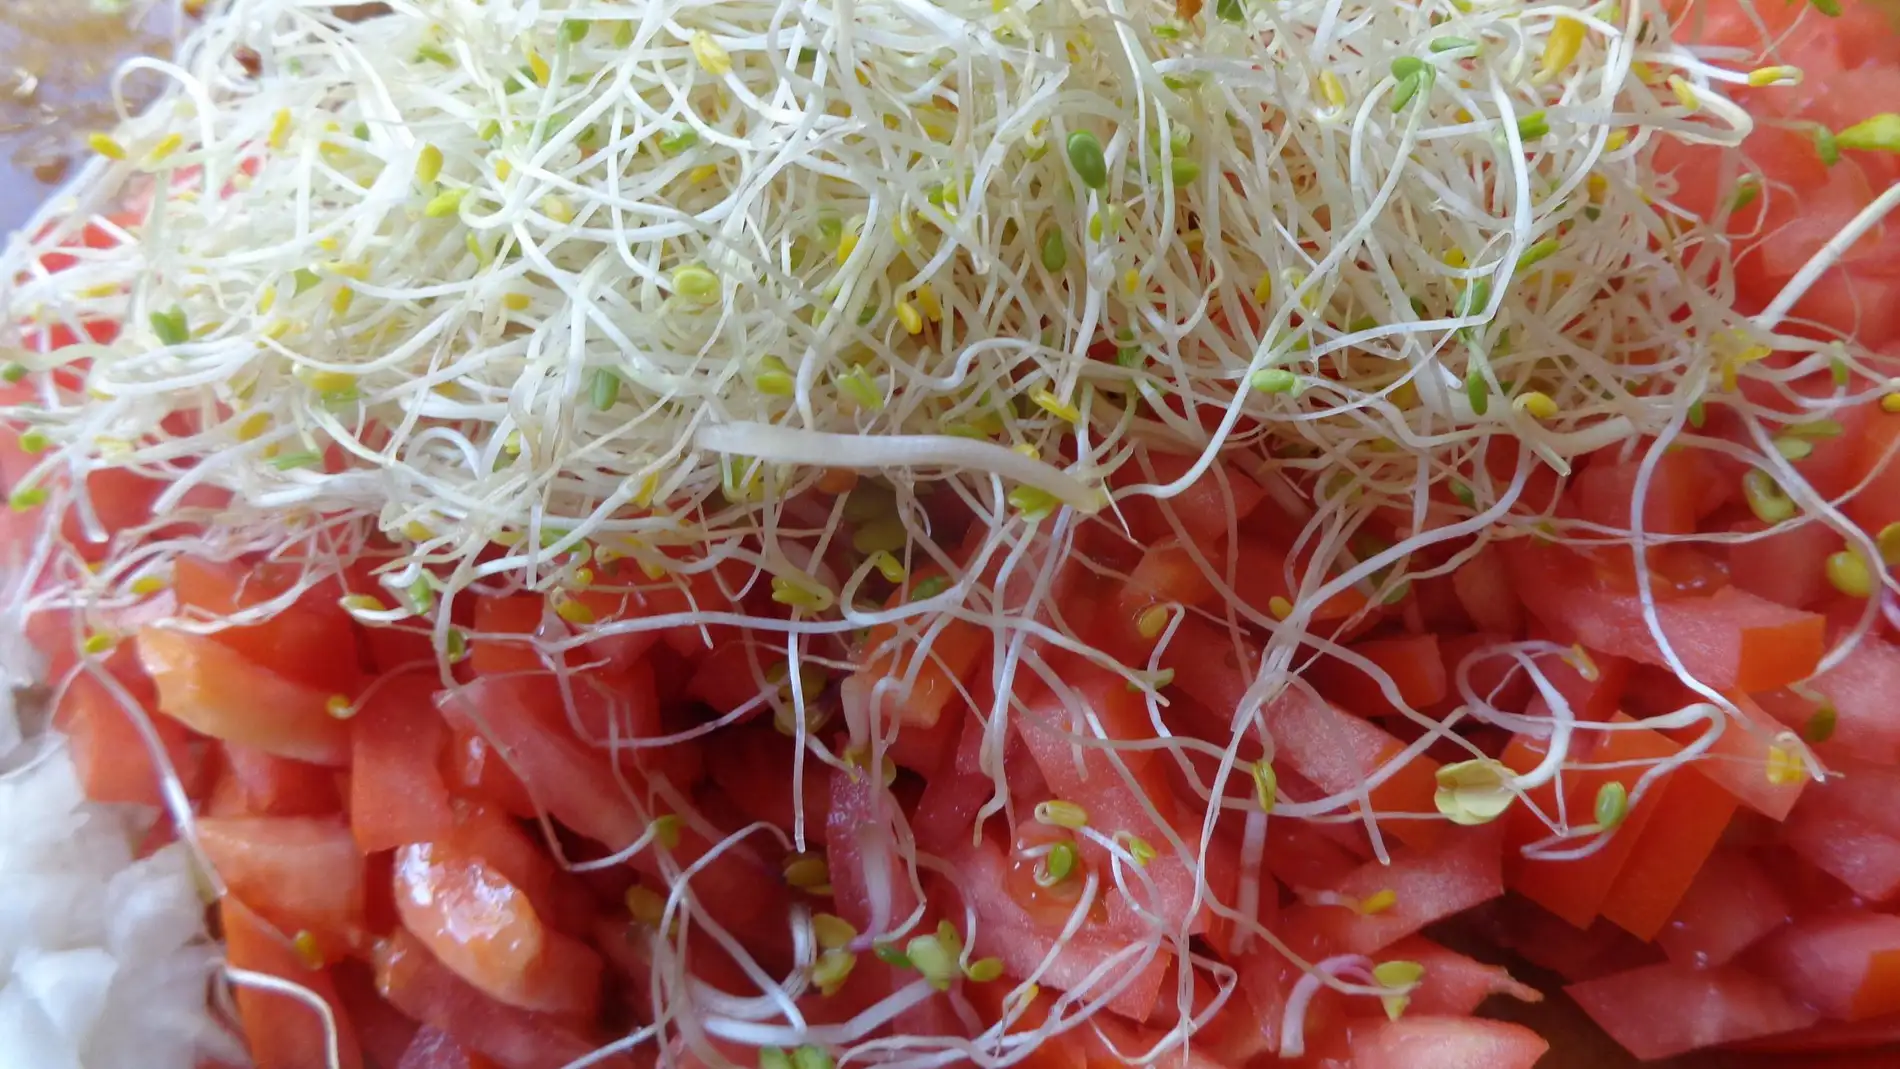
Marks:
<point>171,328</point>
<point>1820,726</point>
<point>1612,804</point>
<point>606,388</point>
<point>1085,155</point>
<point>1055,252</point>
<point>1407,89</point>
<point>1230,11</point>
<point>1477,392</point>
<point>1274,380</point>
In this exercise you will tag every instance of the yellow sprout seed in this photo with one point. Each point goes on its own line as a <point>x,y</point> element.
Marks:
<point>1784,766</point>
<point>1058,813</point>
<point>1056,406</point>
<point>1848,572</point>
<point>1266,786</point>
<point>1378,902</point>
<point>710,56</point>
<point>1152,621</point>
<point>910,318</point>
<point>1280,607</point>
<point>106,145</point>
<point>429,164</point>
<point>832,932</point>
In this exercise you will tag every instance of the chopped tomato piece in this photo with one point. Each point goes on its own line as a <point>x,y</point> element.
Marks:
<point>1575,888</point>
<point>1730,639</point>
<point>1454,985</point>
<point>1852,851</point>
<point>1424,886</point>
<point>1413,664</point>
<point>110,753</point>
<point>485,929</point>
<point>1731,904</point>
<point>475,770</point>
<point>217,691</point>
<point>1423,1042</point>
<point>397,795</point>
<point>1787,565</point>
<point>1664,1010</point>
<point>420,986</point>
<point>286,641</point>
<point>283,1032</point>
<point>915,691</point>
<point>504,632</point>
<point>1006,930</point>
<point>1483,586</point>
<point>1334,751</point>
<point>267,786</point>
<point>1846,965</point>
<point>1669,850</point>
<point>1205,510</point>
<point>300,873</point>
<point>1862,688</point>
<point>1739,761</point>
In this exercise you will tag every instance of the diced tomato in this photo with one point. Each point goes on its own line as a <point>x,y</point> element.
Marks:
<point>1205,509</point>
<point>110,753</point>
<point>1007,931</point>
<point>1454,985</point>
<point>300,873</point>
<point>1664,1010</point>
<point>1730,906</point>
<point>860,850</point>
<point>269,786</point>
<point>1876,467</point>
<point>504,632</point>
<point>485,929</point>
<point>417,984</point>
<point>1876,1035</point>
<point>283,1032</point>
<point>1423,1042</point>
<point>216,691</point>
<point>381,1030</point>
<point>954,648</point>
<point>736,673</point>
<point>1268,572</point>
<point>1483,586</point>
<point>1462,873</point>
<point>1729,639</point>
<point>1552,944</point>
<point>1846,965</point>
<point>1096,704</point>
<point>433,1048</point>
<point>992,1002</point>
<point>474,770</point>
<point>1574,889</point>
<point>577,785</point>
<point>1738,761</point>
<point>397,795</point>
<point>1669,851</point>
<point>1859,855</point>
<point>1862,688</point>
<point>752,768</point>
<point>1412,662</point>
<point>1605,492</point>
<point>1787,565</point>
<point>285,642</point>
<point>1332,750</point>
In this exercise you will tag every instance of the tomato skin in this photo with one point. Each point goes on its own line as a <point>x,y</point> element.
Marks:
<point>299,873</point>
<point>282,1033</point>
<point>1454,985</point>
<point>1664,1010</point>
<point>1331,749</point>
<point>218,692</point>
<point>954,651</point>
<point>1204,509</point>
<point>503,628</point>
<point>1861,688</point>
<point>1483,588</point>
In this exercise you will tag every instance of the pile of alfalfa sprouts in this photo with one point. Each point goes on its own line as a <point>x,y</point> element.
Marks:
<point>500,290</point>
